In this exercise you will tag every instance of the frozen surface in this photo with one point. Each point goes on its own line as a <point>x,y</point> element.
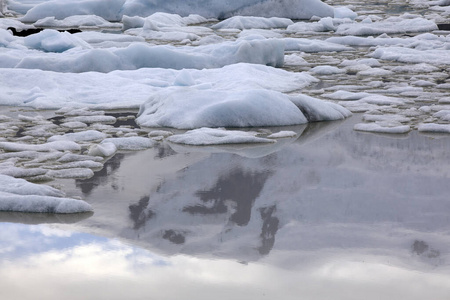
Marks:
<point>211,136</point>
<point>18,195</point>
<point>113,10</point>
<point>43,89</point>
<point>187,108</point>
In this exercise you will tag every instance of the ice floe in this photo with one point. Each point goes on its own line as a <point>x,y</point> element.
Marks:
<point>22,196</point>
<point>216,136</point>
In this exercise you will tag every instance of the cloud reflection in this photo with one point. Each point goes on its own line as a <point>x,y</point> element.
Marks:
<point>85,271</point>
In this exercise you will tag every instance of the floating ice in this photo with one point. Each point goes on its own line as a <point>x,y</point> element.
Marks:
<point>103,149</point>
<point>282,134</point>
<point>109,10</point>
<point>126,143</point>
<point>434,127</point>
<point>381,128</point>
<point>76,21</point>
<point>22,196</point>
<point>189,108</point>
<point>407,55</point>
<point>114,10</point>
<point>390,26</point>
<point>326,70</point>
<point>217,136</point>
<point>300,9</point>
<point>43,89</point>
<point>50,146</point>
<point>79,173</point>
<point>83,136</point>
<point>140,55</point>
<point>240,22</point>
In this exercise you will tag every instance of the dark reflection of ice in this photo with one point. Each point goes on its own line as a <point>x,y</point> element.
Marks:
<point>238,187</point>
<point>100,177</point>
<point>138,213</point>
<point>269,229</point>
<point>42,218</point>
<point>164,151</point>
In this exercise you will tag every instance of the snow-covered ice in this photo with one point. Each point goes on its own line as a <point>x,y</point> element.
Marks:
<point>22,196</point>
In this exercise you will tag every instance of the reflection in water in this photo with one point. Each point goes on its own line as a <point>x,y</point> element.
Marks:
<point>269,229</point>
<point>334,208</point>
<point>138,213</point>
<point>100,177</point>
<point>175,237</point>
<point>42,218</point>
<point>164,150</point>
<point>238,187</point>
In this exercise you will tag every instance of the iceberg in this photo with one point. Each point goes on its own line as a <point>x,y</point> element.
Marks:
<point>114,10</point>
<point>188,108</point>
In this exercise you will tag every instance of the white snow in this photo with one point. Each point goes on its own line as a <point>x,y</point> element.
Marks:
<point>22,196</point>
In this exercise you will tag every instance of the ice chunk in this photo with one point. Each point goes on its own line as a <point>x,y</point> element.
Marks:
<point>82,136</point>
<point>292,9</point>
<point>240,22</point>
<point>109,10</point>
<point>50,40</point>
<point>282,134</point>
<point>50,146</point>
<point>379,128</point>
<point>318,110</point>
<point>326,70</point>
<point>388,26</point>
<point>76,21</point>
<point>216,136</point>
<point>104,149</point>
<point>434,127</point>
<point>189,108</point>
<point>140,55</point>
<point>79,173</point>
<point>130,143</point>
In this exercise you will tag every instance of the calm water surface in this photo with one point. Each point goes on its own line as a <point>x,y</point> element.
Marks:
<point>331,214</point>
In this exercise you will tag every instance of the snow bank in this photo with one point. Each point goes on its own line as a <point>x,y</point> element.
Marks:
<point>21,196</point>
